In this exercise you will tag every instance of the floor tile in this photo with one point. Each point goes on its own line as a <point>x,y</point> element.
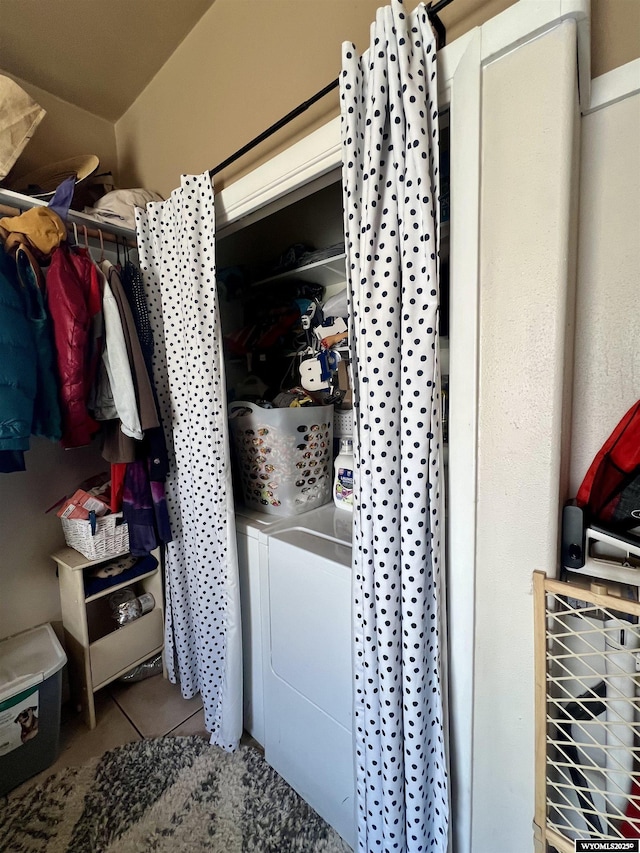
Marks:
<point>78,743</point>
<point>248,740</point>
<point>194,725</point>
<point>154,706</point>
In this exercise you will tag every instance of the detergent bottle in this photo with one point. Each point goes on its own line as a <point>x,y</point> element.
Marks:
<point>343,480</point>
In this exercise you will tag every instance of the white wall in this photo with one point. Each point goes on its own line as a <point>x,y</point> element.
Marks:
<point>29,587</point>
<point>529,125</point>
<point>607,351</point>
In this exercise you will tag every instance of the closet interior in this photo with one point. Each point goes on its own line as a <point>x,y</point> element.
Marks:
<point>251,287</point>
<point>258,272</point>
<point>99,648</point>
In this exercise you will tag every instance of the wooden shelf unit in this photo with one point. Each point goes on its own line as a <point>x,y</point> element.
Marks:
<point>99,652</point>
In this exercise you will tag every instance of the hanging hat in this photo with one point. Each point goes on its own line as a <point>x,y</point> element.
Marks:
<point>20,118</point>
<point>42,183</point>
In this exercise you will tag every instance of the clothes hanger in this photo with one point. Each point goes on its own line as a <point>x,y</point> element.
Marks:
<point>75,233</point>
<point>101,246</point>
<point>86,242</point>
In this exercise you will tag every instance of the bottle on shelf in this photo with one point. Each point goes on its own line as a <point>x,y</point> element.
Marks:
<point>126,606</point>
<point>343,479</point>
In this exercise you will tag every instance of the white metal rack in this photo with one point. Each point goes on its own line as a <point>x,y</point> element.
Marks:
<point>18,201</point>
<point>587,714</point>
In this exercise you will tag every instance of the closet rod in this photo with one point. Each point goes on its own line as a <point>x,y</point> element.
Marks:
<point>441,33</point>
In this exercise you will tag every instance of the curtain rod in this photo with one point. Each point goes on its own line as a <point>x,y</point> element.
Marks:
<point>274,127</point>
<point>441,34</point>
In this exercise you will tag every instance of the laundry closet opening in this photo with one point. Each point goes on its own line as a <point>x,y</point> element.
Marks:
<point>295,573</point>
<point>298,240</point>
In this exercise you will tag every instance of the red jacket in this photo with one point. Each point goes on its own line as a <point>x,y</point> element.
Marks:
<point>73,296</point>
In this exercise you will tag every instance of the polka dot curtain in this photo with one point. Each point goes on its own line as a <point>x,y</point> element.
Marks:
<point>176,241</point>
<point>390,178</point>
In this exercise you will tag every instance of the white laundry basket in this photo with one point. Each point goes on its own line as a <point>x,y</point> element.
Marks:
<point>284,456</point>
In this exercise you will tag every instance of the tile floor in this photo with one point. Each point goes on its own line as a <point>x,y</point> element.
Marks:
<point>125,712</point>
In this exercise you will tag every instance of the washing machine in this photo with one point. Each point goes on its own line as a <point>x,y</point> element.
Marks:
<point>251,565</point>
<point>307,660</point>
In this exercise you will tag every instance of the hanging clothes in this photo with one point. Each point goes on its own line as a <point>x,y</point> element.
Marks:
<point>133,286</point>
<point>390,180</point>
<point>141,383</point>
<point>47,420</point>
<point>176,243</point>
<point>75,307</point>
<point>143,496</point>
<point>118,448</point>
<point>144,507</point>
<point>134,289</point>
<point>18,370</point>
<point>121,393</point>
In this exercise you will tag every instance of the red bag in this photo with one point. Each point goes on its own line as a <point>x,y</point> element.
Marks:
<point>631,827</point>
<point>611,489</point>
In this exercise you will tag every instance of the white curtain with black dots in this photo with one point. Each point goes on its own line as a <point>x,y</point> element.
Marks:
<point>390,178</point>
<point>176,241</point>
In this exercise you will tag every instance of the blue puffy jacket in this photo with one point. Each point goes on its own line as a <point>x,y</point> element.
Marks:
<point>18,364</point>
<point>47,420</point>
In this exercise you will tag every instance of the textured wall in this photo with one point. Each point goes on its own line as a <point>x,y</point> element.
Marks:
<point>245,65</point>
<point>249,62</point>
<point>607,356</point>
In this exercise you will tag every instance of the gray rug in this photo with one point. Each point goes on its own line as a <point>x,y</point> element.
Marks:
<point>168,795</point>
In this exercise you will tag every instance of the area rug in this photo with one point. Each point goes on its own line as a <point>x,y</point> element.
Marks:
<point>167,795</point>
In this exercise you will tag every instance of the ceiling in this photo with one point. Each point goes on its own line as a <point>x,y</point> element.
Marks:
<point>96,54</point>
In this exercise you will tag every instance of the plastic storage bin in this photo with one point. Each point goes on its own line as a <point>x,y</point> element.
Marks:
<point>284,456</point>
<point>30,694</point>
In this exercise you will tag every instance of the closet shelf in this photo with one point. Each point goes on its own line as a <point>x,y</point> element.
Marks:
<point>75,561</point>
<point>326,272</point>
<point>19,201</point>
<point>110,589</point>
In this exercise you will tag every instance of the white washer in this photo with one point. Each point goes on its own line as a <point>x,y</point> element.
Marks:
<point>307,660</point>
<point>249,524</point>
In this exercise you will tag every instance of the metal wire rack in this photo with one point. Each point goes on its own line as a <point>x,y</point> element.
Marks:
<point>587,714</point>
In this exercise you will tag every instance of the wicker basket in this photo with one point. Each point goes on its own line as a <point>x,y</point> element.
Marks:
<point>110,539</point>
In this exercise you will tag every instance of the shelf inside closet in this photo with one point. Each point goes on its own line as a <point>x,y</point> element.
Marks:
<point>258,288</point>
